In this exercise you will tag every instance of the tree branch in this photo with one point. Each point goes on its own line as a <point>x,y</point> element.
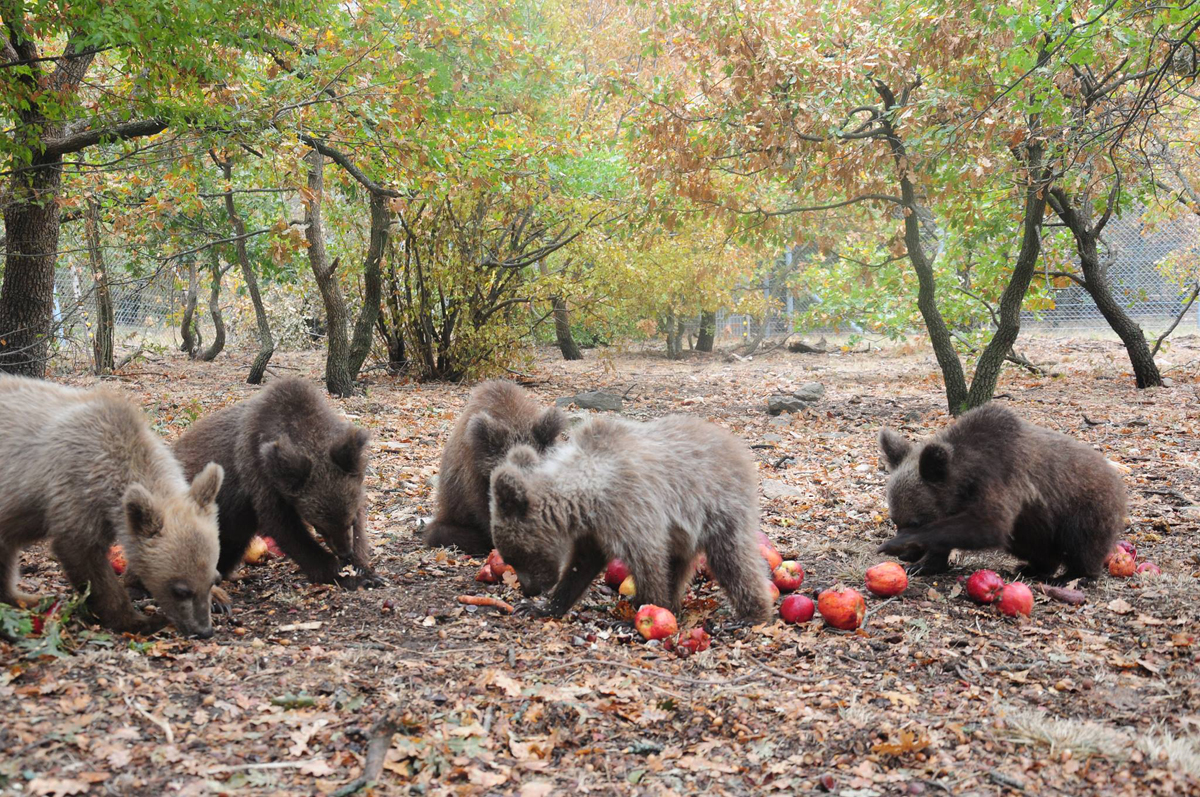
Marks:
<point>87,138</point>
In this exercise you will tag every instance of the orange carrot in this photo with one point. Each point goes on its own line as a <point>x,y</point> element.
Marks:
<point>484,600</point>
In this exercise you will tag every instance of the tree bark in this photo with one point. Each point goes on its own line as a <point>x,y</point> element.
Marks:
<point>391,323</point>
<point>102,332</point>
<point>338,380</point>
<point>1077,217</point>
<point>381,226</point>
<point>675,330</point>
<point>266,343</point>
<point>562,322</point>
<point>189,328</point>
<point>987,367</point>
<point>708,330</point>
<point>214,309</point>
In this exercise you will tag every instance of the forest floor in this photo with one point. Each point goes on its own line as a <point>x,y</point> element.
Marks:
<point>934,694</point>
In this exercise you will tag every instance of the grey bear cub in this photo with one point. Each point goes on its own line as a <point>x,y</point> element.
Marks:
<point>499,415</point>
<point>652,494</point>
<point>993,480</point>
<point>83,468</point>
<point>290,462</point>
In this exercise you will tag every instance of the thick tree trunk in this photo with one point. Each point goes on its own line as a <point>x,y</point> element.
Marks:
<point>266,343</point>
<point>708,330</point>
<point>189,328</point>
<point>1096,283</point>
<point>675,330</point>
<point>102,331</point>
<point>338,380</point>
<point>214,309</point>
<point>27,294</point>
<point>391,322</point>
<point>381,225</point>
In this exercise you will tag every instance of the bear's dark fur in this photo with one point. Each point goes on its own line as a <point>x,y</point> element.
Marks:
<point>652,494</point>
<point>993,480</point>
<point>290,462</point>
<point>498,416</point>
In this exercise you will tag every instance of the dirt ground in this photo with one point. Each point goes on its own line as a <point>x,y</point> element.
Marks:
<point>934,694</point>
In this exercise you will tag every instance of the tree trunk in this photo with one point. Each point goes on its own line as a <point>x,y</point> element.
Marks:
<point>987,367</point>
<point>214,308</point>
<point>338,380</point>
<point>381,225</point>
<point>102,332</point>
<point>189,328</point>
<point>27,294</point>
<point>675,330</point>
<point>391,323</point>
<point>562,322</point>
<point>266,343</point>
<point>708,330</point>
<point>1096,283</point>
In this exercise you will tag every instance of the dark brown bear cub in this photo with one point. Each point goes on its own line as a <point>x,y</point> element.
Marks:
<point>498,416</point>
<point>290,462</point>
<point>993,480</point>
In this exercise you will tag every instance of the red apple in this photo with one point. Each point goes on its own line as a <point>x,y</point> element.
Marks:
<point>655,622</point>
<point>887,580</point>
<point>984,586</point>
<point>788,576</point>
<point>842,608</point>
<point>1149,569</point>
<point>496,562</point>
<point>1015,599</point>
<point>694,641</point>
<point>796,609</point>
<point>256,552</point>
<point>700,567</point>
<point>628,588</point>
<point>617,572</point>
<point>116,558</point>
<point>273,548</point>
<point>1121,564</point>
<point>773,590</point>
<point>772,556</point>
<point>487,575</point>
<point>1128,547</point>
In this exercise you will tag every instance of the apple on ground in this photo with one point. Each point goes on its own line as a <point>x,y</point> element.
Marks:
<point>1015,599</point>
<point>487,575</point>
<point>116,558</point>
<point>694,641</point>
<point>1128,547</point>
<point>655,622</point>
<point>796,609</point>
<point>1121,564</point>
<point>788,576</point>
<point>616,572</point>
<point>773,591</point>
<point>842,608</point>
<point>1149,569</point>
<point>984,586</point>
<point>496,562</point>
<point>886,580</point>
<point>273,548</point>
<point>700,567</point>
<point>628,588</point>
<point>256,552</point>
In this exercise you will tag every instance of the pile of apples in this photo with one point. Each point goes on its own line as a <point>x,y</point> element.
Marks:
<point>1123,563</point>
<point>986,586</point>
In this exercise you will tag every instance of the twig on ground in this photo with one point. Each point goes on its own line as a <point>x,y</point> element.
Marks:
<point>381,741</point>
<point>267,765</point>
<point>160,723</point>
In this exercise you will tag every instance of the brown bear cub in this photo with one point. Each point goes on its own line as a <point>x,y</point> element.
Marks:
<point>290,462</point>
<point>83,468</point>
<point>992,480</point>
<point>652,494</point>
<point>498,416</point>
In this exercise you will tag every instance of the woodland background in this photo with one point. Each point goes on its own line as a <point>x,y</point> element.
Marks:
<point>399,198</point>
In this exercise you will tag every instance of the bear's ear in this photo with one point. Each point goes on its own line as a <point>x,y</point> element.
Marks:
<point>487,435</point>
<point>207,484</point>
<point>510,493</point>
<point>935,462</point>
<point>286,464</point>
<point>548,427</point>
<point>522,456</point>
<point>142,515</point>
<point>894,447</point>
<point>350,453</point>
